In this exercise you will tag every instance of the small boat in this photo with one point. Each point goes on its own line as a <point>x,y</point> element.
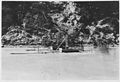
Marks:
<point>70,50</point>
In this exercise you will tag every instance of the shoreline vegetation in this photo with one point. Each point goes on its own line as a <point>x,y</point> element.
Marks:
<point>60,25</point>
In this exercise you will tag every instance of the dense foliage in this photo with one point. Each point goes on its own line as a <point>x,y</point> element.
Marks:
<point>60,24</point>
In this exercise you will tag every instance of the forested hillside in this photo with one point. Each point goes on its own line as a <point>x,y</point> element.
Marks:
<point>60,23</point>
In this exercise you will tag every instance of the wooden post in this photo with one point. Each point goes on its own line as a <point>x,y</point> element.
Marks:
<point>38,48</point>
<point>66,42</point>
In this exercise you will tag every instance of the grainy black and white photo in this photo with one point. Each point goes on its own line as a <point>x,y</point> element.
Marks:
<point>60,40</point>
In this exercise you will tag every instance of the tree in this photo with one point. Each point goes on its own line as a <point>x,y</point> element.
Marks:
<point>105,32</point>
<point>69,22</point>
